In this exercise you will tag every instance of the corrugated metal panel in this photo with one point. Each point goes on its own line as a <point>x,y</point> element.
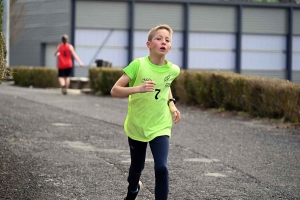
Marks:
<point>102,14</point>
<point>296,54</point>
<point>81,71</point>
<point>296,61</point>
<point>102,44</point>
<point>265,52</point>
<point>263,60</point>
<point>296,77</point>
<point>264,43</point>
<point>296,43</point>
<point>296,22</point>
<point>212,18</point>
<point>211,60</point>
<point>43,23</point>
<point>50,59</point>
<point>148,15</point>
<point>211,50</point>
<point>265,20</point>
<point>267,73</point>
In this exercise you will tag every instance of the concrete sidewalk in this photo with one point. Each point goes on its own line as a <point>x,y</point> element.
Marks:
<point>55,146</point>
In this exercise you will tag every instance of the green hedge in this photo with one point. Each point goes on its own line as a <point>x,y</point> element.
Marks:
<point>103,79</point>
<point>44,77</point>
<point>39,77</point>
<point>262,97</point>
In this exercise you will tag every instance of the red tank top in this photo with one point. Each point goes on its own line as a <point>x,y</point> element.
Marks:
<point>64,59</point>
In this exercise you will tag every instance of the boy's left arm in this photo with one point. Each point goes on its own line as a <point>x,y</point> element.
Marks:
<point>173,109</point>
<point>57,53</point>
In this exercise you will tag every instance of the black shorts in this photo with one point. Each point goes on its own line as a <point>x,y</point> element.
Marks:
<point>64,72</point>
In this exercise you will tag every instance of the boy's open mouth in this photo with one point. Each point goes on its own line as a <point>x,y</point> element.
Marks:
<point>163,48</point>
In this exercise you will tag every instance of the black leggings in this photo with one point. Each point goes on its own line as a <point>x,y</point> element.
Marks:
<point>160,149</point>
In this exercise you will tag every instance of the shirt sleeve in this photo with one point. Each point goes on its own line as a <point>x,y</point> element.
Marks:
<point>132,70</point>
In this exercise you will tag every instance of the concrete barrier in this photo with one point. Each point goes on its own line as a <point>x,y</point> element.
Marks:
<point>79,83</point>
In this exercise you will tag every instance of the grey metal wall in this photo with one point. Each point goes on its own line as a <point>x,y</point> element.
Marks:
<point>205,18</point>
<point>101,32</point>
<point>212,37</point>
<point>264,41</point>
<point>296,22</point>
<point>296,46</point>
<point>101,14</point>
<point>145,19</point>
<point>171,14</point>
<point>211,32</point>
<point>45,22</point>
<point>264,20</point>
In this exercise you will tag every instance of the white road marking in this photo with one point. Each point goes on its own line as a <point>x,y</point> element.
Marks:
<point>87,147</point>
<point>215,174</point>
<point>61,124</point>
<point>204,160</point>
<point>147,160</point>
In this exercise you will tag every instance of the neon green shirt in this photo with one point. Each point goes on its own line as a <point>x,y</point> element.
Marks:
<point>148,114</point>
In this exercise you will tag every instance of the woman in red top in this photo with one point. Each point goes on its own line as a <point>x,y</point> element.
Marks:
<point>65,52</point>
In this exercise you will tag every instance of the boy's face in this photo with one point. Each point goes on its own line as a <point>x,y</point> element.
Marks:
<point>161,42</point>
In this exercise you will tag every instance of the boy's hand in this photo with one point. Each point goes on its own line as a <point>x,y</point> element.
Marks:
<point>176,114</point>
<point>147,86</point>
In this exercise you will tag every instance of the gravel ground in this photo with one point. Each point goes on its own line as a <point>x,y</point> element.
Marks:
<point>73,147</point>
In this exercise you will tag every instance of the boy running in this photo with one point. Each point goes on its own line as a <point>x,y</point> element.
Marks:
<point>149,118</point>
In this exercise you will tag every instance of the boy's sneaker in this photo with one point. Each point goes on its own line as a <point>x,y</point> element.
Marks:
<point>133,195</point>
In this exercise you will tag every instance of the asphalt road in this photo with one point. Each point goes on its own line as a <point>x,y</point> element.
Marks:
<point>56,147</point>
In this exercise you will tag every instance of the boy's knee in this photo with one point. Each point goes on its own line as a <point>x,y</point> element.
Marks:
<point>161,170</point>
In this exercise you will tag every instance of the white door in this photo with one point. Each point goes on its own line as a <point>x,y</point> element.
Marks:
<point>50,59</point>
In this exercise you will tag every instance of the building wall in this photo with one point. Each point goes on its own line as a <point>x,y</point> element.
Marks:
<point>102,32</point>
<point>212,37</point>
<point>264,41</point>
<point>296,46</point>
<point>44,22</point>
<point>144,20</point>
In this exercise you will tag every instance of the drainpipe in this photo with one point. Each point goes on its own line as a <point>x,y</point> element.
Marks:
<point>289,45</point>
<point>238,51</point>
<point>72,41</point>
<point>131,31</point>
<point>185,50</point>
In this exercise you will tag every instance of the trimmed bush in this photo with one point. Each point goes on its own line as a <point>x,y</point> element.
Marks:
<point>178,89</point>
<point>263,97</point>
<point>22,76</point>
<point>44,78</point>
<point>103,79</point>
<point>39,77</point>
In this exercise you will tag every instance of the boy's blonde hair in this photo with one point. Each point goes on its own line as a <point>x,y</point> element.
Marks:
<point>159,27</point>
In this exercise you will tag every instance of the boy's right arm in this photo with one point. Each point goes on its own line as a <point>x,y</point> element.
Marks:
<point>120,89</point>
<point>75,55</point>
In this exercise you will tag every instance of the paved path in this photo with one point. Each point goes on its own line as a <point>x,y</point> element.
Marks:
<point>73,147</point>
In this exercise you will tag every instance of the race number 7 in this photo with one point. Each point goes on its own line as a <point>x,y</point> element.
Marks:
<point>157,92</point>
